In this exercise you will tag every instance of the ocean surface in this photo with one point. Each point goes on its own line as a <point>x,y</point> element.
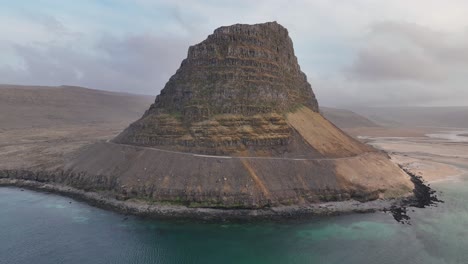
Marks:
<point>46,228</point>
<point>453,136</point>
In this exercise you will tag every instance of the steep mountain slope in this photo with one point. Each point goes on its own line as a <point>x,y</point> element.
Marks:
<point>238,126</point>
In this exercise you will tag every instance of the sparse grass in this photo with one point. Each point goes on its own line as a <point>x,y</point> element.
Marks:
<point>176,115</point>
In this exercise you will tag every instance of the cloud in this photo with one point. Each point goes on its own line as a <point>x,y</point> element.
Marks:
<point>135,63</point>
<point>144,57</point>
<point>50,24</point>
<point>362,52</point>
<point>377,63</point>
<point>400,63</point>
<point>406,51</point>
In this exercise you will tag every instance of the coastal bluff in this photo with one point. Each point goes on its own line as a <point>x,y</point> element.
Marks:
<point>238,126</point>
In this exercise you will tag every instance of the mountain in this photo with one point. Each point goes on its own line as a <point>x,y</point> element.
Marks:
<point>345,118</point>
<point>46,106</point>
<point>238,125</point>
<point>228,95</point>
<point>456,117</point>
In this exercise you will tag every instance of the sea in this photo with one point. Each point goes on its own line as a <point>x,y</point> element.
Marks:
<point>46,228</point>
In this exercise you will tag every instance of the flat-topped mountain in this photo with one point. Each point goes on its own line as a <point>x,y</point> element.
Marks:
<point>230,94</point>
<point>237,126</point>
<point>240,69</point>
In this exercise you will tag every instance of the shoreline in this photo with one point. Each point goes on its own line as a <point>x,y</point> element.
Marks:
<point>455,177</point>
<point>432,171</point>
<point>164,211</point>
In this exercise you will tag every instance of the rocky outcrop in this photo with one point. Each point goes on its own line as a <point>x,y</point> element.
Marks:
<point>239,69</point>
<point>241,94</point>
<point>237,126</point>
<point>229,94</point>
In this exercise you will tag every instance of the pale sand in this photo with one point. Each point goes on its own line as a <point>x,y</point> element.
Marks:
<point>430,171</point>
<point>432,159</point>
<point>388,131</point>
<point>412,147</point>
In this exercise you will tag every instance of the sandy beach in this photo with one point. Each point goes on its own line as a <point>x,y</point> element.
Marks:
<point>435,154</point>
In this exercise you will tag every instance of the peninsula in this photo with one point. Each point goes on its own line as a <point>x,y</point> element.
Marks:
<point>236,131</point>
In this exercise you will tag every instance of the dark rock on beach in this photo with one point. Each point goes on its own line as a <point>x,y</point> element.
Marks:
<point>424,196</point>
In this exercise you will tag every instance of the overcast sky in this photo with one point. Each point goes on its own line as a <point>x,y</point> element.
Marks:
<point>354,52</point>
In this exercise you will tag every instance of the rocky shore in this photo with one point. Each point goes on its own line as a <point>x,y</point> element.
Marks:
<point>167,211</point>
<point>105,198</point>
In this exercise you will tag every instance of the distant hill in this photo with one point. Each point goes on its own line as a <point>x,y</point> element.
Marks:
<point>346,119</point>
<point>41,106</point>
<point>417,116</point>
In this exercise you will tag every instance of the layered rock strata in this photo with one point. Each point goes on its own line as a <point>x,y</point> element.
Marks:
<point>228,95</point>
<point>237,126</point>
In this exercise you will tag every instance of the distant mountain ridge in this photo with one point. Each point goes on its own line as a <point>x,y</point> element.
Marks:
<point>343,118</point>
<point>39,106</point>
<point>42,106</point>
<point>455,116</point>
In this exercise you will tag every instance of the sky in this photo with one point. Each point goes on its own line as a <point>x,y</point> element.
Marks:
<point>354,52</point>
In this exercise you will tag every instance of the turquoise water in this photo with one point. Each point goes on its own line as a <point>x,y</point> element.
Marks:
<point>45,228</point>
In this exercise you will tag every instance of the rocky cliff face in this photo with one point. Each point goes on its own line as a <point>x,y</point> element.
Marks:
<point>239,69</point>
<point>229,94</point>
<point>241,94</point>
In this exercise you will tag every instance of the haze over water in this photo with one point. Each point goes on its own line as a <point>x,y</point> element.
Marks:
<point>45,228</point>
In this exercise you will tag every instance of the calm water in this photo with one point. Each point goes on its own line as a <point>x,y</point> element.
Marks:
<point>453,136</point>
<point>45,228</point>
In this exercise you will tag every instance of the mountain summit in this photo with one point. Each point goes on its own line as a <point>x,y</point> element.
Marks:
<point>238,126</point>
<point>229,94</point>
